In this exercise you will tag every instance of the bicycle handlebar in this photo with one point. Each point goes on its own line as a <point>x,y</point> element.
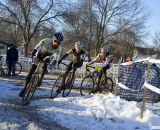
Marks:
<point>63,64</point>
<point>90,67</point>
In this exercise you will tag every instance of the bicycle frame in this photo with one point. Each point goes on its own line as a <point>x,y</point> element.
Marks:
<point>68,84</point>
<point>2,72</point>
<point>31,86</point>
<point>95,75</point>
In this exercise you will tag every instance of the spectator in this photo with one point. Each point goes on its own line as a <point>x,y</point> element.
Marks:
<point>11,59</point>
<point>128,59</point>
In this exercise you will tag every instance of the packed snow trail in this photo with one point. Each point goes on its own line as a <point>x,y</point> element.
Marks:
<point>75,112</point>
<point>17,117</point>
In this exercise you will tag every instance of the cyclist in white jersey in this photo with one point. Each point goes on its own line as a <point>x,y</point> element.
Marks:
<point>45,51</point>
<point>106,59</point>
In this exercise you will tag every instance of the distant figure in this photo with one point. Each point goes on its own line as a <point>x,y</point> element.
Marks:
<point>12,58</point>
<point>128,59</point>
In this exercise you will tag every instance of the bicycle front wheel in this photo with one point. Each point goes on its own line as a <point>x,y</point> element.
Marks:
<point>106,84</point>
<point>69,81</point>
<point>18,68</point>
<point>87,85</point>
<point>30,90</point>
<point>56,87</point>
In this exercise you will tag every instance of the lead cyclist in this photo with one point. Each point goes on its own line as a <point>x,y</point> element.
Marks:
<point>44,52</point>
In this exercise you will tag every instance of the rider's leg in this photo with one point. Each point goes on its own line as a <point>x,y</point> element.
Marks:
<point>9,65</point>
<point>75,66</point>
<point>13,68</point>
<point>28,78</point>
<point>44,69</point>
<point>69,67</point>
<point>102,71</point>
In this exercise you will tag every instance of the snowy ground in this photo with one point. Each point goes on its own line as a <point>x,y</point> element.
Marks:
<point>76,112</point>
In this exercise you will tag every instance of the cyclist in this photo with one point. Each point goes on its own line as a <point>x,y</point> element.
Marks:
<point>106,58</point>
<point>45,51</point>
<point>77,57</point>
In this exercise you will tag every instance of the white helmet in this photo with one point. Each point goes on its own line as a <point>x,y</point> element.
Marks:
<point>79,44</point>
<point>104,49</point>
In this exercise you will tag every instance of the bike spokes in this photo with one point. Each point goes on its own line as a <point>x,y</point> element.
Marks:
<point>87,85</point>
<point>56,89</point>
<point>105,85</point>
<point>30,90</point>
<point>68,84</point>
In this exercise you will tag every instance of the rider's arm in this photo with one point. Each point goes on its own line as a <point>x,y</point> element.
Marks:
<point>83,55</point>
<point>65,55</point>
<point>95,59</point>
<point>40,45</point>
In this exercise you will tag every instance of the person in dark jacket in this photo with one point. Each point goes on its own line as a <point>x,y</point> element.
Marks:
<point>11,59</point>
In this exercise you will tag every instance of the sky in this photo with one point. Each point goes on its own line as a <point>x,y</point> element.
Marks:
<point>153,23</point>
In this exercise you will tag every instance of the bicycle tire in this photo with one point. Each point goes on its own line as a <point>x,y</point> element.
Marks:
<point>68,84</point>
<point>18,68</point>
<point>106,84</point>
<point>2,73</point>
<point>30,90</point>
<point>87,85</point>
<point>56,86</point>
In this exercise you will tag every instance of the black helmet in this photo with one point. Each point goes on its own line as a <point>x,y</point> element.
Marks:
<point>59,36</point>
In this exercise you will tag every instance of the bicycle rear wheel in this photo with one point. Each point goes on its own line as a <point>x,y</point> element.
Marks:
<point>18,68</point>
<point>30,90</point>
<point>56,87</point>
<point>87,85</point>
<point>106,84</point>
<point>2,73</point>
<point>69,81</point>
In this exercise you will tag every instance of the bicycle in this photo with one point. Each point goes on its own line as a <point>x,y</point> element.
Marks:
<point>31,86</point>
<point>4,68</point>
<point>2,72</point>
<point>69,81</point>
<point>89,81</point>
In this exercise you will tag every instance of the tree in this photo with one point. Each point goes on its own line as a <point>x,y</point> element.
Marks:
<point>109,12</point>
<point>78,20</point>
<point>28,16</point>
<point>156,41</point>
<point>97,22</point>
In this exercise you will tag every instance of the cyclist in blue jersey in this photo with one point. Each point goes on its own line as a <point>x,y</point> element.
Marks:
<point>45,51</point>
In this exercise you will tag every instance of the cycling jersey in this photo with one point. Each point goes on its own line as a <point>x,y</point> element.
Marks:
<point>44,48</point>
<point>76,57</point>
<point>106,61</point>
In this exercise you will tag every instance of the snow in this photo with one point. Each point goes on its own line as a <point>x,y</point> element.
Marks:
<point>76,112</point>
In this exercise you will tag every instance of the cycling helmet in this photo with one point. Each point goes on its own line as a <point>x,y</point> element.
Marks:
<point>59,36</point>
<point>104,49</point>
<point>78,44</point>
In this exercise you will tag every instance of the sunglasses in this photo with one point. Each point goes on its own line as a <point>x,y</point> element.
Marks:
<point>56,41</point>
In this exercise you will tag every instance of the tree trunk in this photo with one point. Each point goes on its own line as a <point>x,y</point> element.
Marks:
<point>25,49</point>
